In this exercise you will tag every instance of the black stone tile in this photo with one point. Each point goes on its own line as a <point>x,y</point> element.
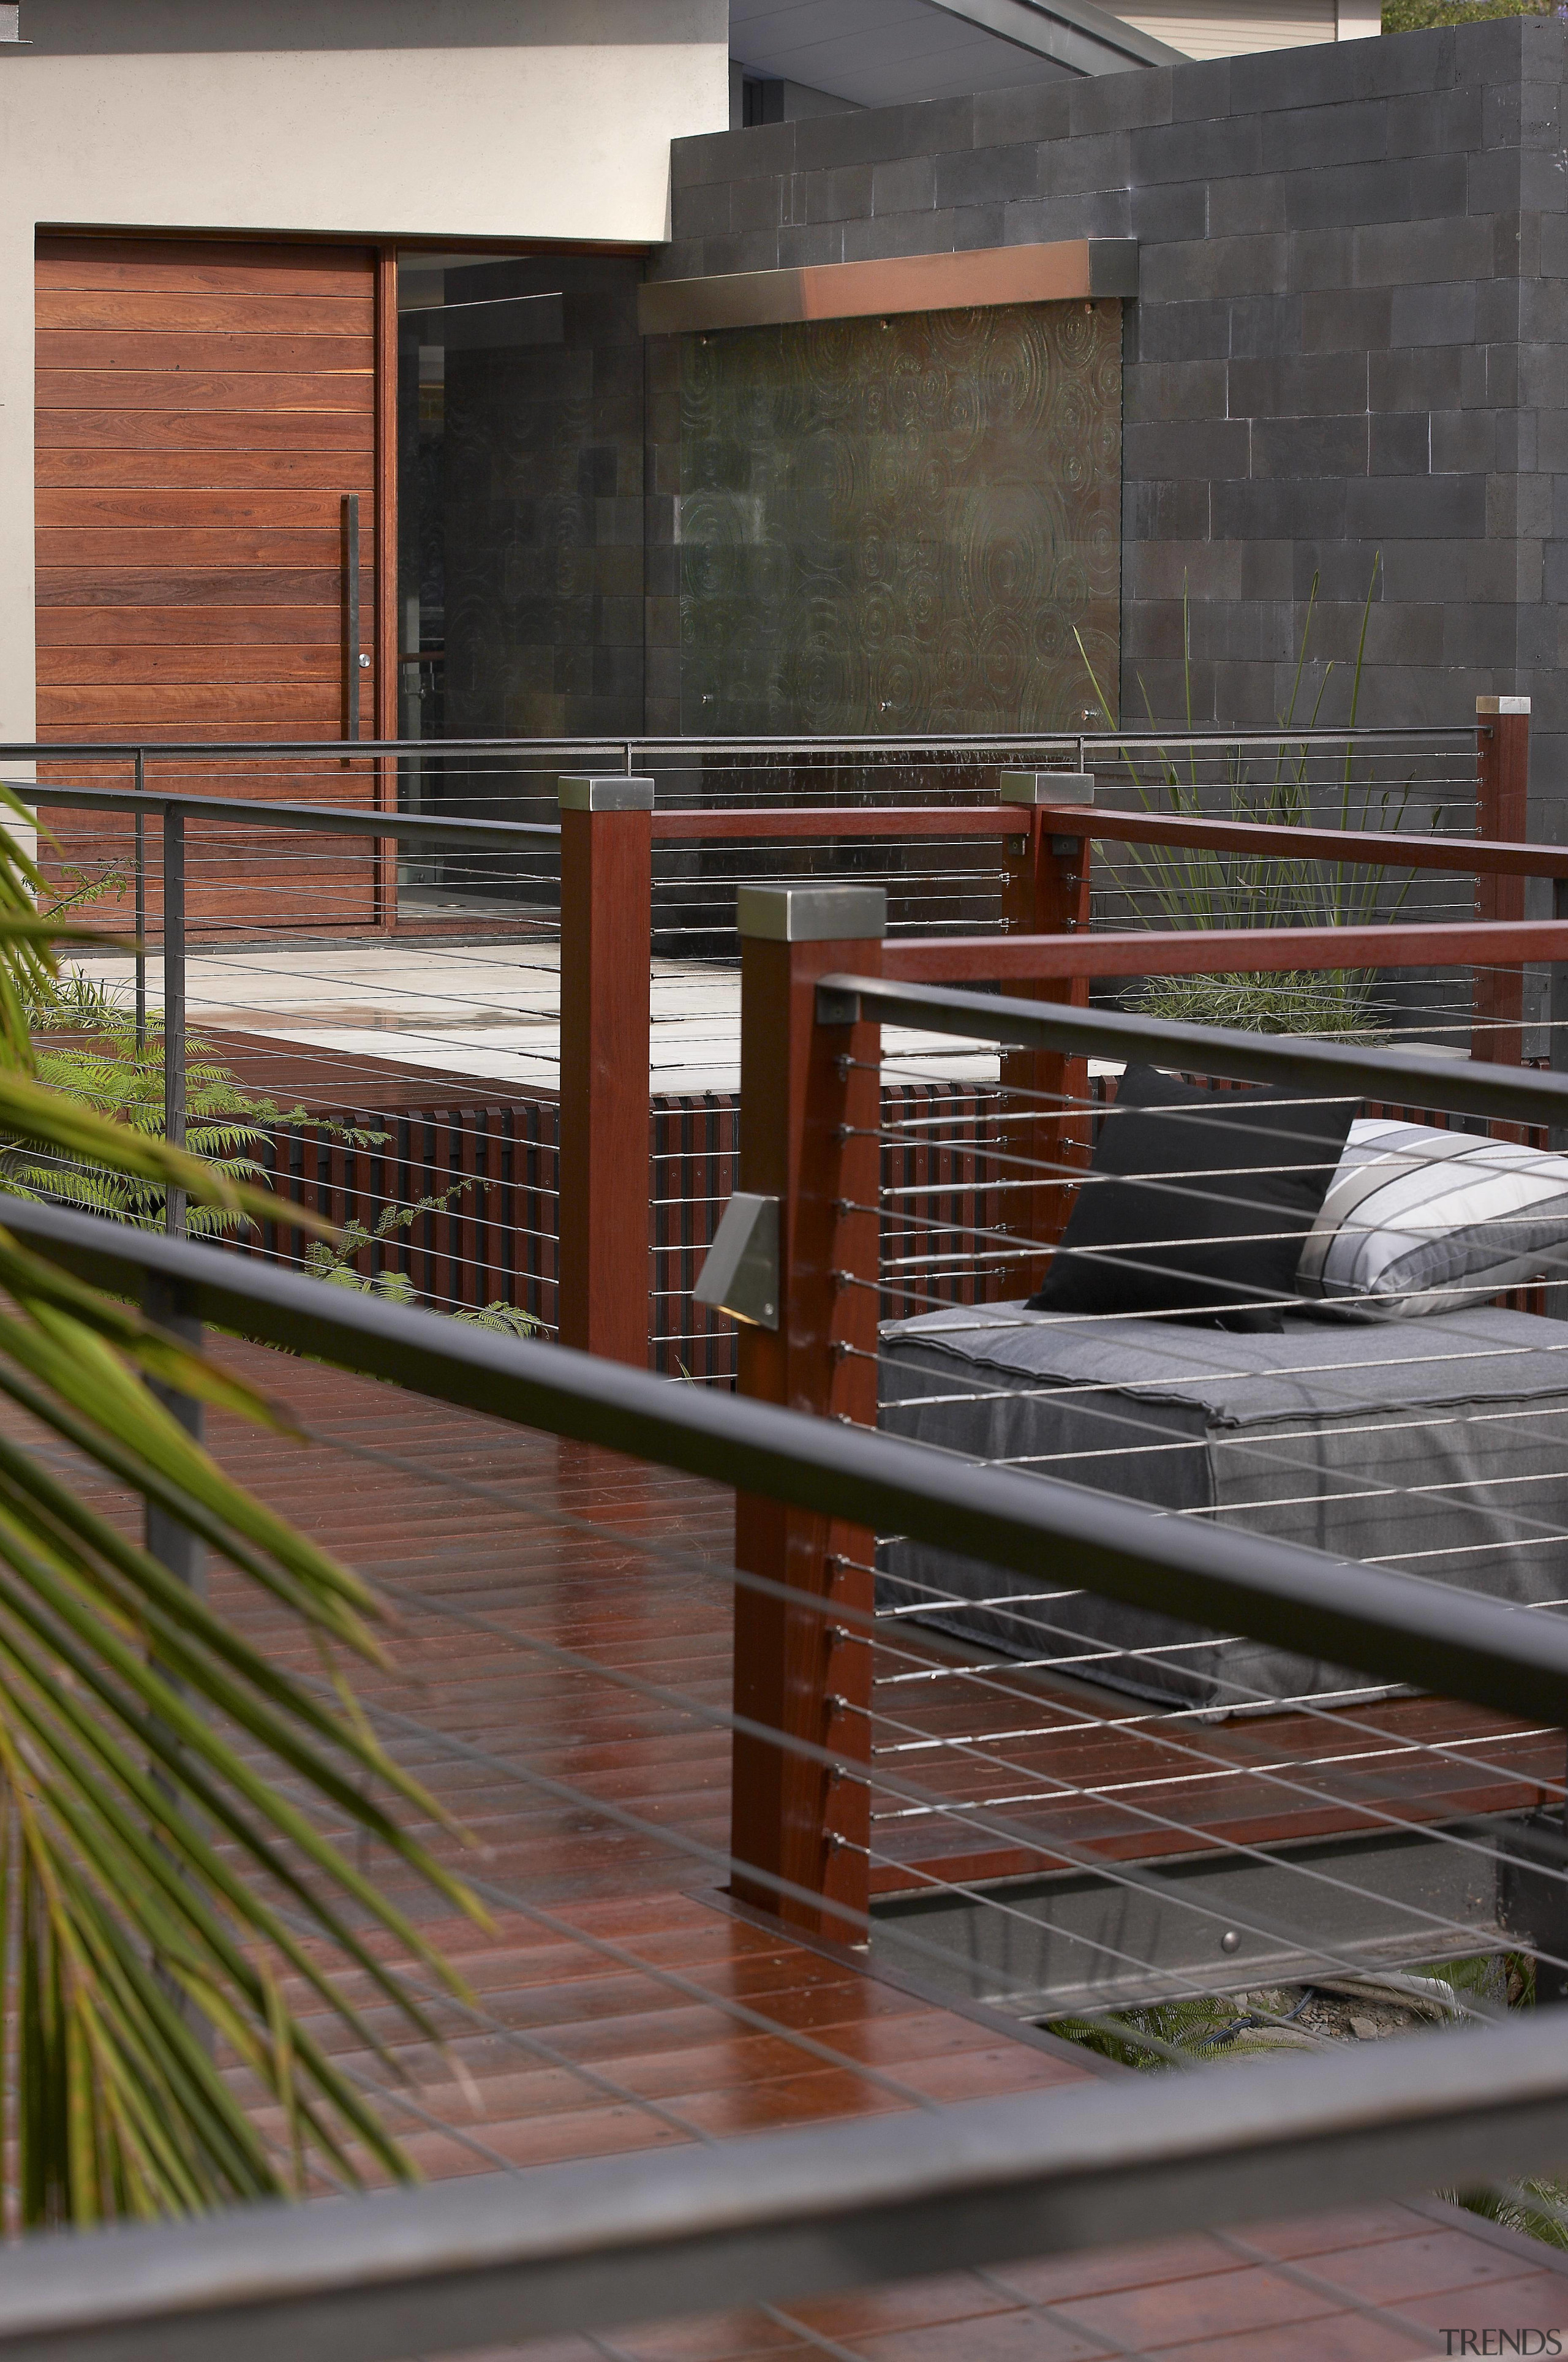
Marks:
<point>1175,390</point>
<point>1280,508</point>
<point>810,242</point>
<point>1437,120</point>
<point>731,155</point>
<point>1266,327</point>
<point>1116,102</point>
<point>1448,508</point>
<point>1035,111</point>
<point>984,176</point>
<point>1203,448</point>
<point>1182,332</point>
<point>704,211</point>
<point>1403,63</point>
<point>1345,319</point>
<point>1426,379</point>
<point>756,205</point>
<point>1100,212</point>
<point>1401,444</point>
<point>1300,385</point>
<point>1218,266</point>
<point>1171,213</point>
<point>844,194</point>
<point>894,234</point>
<point>1200,150</point>
<point>756,249</point>
<point>1067,167</point>
<point>904,185</point>
<point>869,135</point>
<point>1244,203</point>
<point>977,226</point>
<point>1311,138</point>
<point>1309,447</point>
<point>1163,511</point>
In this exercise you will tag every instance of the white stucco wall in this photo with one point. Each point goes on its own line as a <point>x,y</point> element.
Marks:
<point>428,120</point>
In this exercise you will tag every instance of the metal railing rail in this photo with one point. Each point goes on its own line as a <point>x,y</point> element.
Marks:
<point>498,2258</point>
<point>1393,1625</point>
<point>326,820</point>
<point>1473,1087</point>
<point>340,750</point>
<point>586,2247</point>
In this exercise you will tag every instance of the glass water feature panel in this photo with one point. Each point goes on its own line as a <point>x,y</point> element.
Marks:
<point>902,524</point>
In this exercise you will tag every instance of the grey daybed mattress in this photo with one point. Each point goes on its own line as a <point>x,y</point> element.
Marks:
<point>1434,1445</point>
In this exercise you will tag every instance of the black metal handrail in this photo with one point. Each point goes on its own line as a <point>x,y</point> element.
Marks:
<point>327,820</point>
<point>1458,1087</point>
<point>1062,741</point>
<point>1396,1626</point>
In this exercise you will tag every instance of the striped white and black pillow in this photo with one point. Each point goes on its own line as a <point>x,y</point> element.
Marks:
<point>1419,1220</point>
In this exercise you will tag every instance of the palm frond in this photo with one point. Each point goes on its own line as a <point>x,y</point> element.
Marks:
<point>179,1814</point>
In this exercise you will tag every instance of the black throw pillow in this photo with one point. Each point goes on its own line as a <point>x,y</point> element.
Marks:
<point>1197,1202</point>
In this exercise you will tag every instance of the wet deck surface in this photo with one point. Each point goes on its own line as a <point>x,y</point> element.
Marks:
<point>562,1657</point>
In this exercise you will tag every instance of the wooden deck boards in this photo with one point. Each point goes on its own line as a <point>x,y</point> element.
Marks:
<point>621,2004</point>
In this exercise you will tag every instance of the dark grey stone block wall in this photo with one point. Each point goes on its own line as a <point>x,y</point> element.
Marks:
<point>1350,348</point>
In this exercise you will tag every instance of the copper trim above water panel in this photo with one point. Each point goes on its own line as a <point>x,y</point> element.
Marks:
<point>910,282</point>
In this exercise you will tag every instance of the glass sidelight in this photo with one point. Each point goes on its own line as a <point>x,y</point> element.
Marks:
<point>520,482</point>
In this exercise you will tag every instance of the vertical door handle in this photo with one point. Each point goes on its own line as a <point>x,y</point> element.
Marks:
<point>350,539</point>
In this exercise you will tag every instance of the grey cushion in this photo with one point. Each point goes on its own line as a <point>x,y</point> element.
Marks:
<point>1418,1221</point>
<point>1436,1449</point>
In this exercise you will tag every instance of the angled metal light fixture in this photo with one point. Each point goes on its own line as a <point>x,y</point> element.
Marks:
<point>740,1273</point>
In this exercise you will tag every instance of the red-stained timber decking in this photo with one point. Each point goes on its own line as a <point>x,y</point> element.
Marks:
<point>621,2004</point>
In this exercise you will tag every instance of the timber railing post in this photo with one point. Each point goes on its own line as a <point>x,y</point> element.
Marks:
<point>1502,811</point>
<point>1046,1119</point>
<point>606,897</point>
<point>811,1103</point>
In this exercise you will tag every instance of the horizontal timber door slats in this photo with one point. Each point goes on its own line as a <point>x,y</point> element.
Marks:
<point>202,406</point>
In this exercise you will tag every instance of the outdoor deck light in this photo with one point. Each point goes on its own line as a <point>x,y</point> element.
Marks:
<point>740,1274</point>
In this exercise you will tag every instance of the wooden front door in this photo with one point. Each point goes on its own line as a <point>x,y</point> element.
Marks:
<point>203,406</point>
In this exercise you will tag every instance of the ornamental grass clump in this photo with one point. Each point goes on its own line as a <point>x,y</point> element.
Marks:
<point>1181,888</point>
